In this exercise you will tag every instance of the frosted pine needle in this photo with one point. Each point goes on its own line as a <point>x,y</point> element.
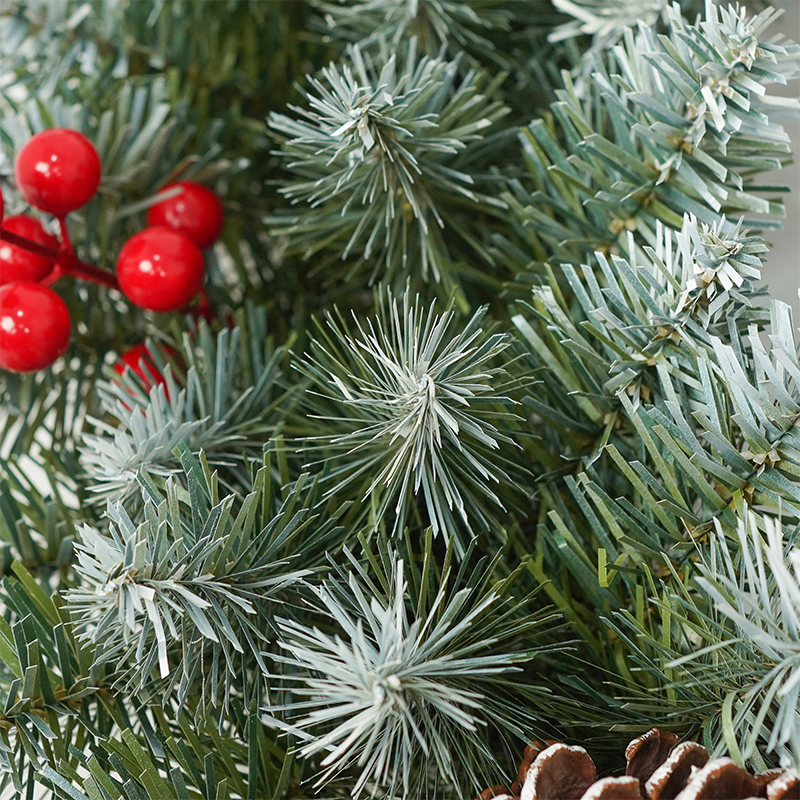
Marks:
<point>416,412</point>
<point>400,691</point>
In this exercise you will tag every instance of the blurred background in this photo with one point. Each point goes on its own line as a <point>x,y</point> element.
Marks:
<point>783,269</point>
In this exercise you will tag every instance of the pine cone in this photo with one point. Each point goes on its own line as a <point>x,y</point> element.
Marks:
<point>659,768</point>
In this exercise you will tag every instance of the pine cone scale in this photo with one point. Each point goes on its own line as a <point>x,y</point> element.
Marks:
<point>673,775</point>
<point>560,772</point>
<point>658,768</point>
<point>720,779</point>
<point>647,753</point>
<point>624,788</point>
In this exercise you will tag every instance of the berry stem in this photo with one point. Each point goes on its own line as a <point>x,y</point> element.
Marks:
<point>80,269</point>
<point>66,262</point>
<point>66,241</point>
<point>26,244</point>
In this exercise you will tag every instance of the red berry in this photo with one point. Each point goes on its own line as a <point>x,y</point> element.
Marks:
<point>57,171</point>
<point>195,212</point>
<point>140,360</point>
<point>160,269</point>
<point>34,326</point>
<point>17,264</point>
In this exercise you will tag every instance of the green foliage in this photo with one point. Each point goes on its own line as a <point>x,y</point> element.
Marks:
<point>461,24</point>
<point>630,327</point>
<point>603,20</point>
<point>349,560</point>
<point>66,723</point>
<point>422,413</point>
<point>730,658</point>
<point>216,45</point>
<point>756,588</point>
<point>744,453</point>
<point>229,403</point>
<point>676,124</point>
<point>190,592</point>
<point>407,679</point>
<point>386,158</point>
<point>65,730</point>
<point>675,417</point>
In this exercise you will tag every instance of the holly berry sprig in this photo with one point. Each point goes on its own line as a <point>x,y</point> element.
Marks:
<point>160,268</point>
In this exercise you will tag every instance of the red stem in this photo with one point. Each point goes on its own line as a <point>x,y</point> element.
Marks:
<point>27,244</point>
<point>66,242</point>
<point>80,269</point>
<point>65,260</point>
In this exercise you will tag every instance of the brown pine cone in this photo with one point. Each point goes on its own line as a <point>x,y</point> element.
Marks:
<point>658,768</point>
<point>528,757</point>
<point>495,793</point>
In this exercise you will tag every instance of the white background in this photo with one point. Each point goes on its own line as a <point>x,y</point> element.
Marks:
<point>782,272</point>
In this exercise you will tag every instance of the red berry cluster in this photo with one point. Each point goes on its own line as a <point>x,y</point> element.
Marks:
<point>160,269</point>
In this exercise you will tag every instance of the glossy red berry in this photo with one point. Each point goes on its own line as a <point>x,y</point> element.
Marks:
<point>17,264</point>
<point>140,360</point>
<point>34,326</point>
<point>57,171</point>
<point>160,269</point>
<point>195,212</point>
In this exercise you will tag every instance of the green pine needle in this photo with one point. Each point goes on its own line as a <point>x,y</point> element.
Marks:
<point>417,409</point>
<point>229,404</point>
<point>405,696</point>
<point>605,20</point>
<point>755,585</point>
<point>188,595</point>
<point>434,23</point>
<point>382,158</point>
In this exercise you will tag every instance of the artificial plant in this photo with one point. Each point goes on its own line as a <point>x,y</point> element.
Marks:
<point>485,430</point>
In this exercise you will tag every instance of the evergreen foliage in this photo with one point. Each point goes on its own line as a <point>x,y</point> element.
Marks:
<point>422,400</point>
<point>408,681</point>
<point>672,124</point>
<point>388,154</point>
<point>226,405</point>
<point>489,432</point>
<point>434,23</point>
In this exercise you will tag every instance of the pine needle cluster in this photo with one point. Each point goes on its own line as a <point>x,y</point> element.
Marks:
<point>399,691</point>
<point>385,156</point>
<point>423,399</point>
<point>489,435</point>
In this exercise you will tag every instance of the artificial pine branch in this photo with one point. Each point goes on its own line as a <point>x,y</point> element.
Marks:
<point>200,592</point>
<point>422,413</point>
<point>664,131</point>
<point>605,21</point>
<point>385,165</point>
<point>55,701</point>
<point>457,24</point>
<point>755,587</point>
<point>629,318</point>
<point>641,343</point>
<point>229,403</point>
<point>400,688</point>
